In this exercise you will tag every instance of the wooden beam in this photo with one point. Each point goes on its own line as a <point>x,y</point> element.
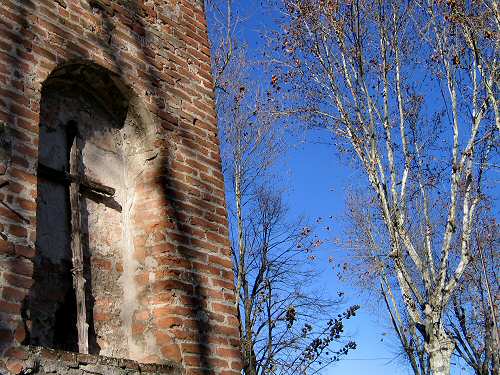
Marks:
<point>76,247</point>
<point>68,178</point>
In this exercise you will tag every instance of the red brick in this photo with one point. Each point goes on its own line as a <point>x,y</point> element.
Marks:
<point>138,328</point>
<point>18,280</point>
<point>18,266</point>
<point>230,372</point>
<point>18,231</point>
<point>171,352</point>
<point>13,294</point>
<point>23,176</point>
<point>227,309</point>
<point>25,251</point>
<point>224,262</point>
<point>15,367</point>
<point>27,205</point>
<point>100,316</point>
<point>20,334</point>
<point>180,229</point>
<point>228,353</point>
<point>5,246</point>
<point>10,307</point>
<point>170,322</point>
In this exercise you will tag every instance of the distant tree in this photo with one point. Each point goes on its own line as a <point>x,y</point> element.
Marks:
<point>409,91</point>
<point>473,319</point>
<point>369,270</point>
<point>284,325</point>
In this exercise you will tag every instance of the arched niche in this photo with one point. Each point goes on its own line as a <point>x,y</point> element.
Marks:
<point>94,134</point>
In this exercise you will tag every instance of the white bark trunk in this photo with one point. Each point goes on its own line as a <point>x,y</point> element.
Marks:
<point>440,350</point>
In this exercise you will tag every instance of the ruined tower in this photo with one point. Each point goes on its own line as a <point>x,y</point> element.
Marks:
<point>114,252</point>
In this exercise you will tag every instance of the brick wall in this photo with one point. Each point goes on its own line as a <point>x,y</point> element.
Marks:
<point>157,52</point>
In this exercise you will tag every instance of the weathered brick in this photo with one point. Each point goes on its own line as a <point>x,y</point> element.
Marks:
<point>175,268</point>
<point>18,280</point>
<point>13,294</point>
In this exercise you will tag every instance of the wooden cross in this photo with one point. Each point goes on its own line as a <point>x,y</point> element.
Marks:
<point>78,184</point>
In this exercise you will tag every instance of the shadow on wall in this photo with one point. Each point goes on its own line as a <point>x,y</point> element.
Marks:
<point>15,263</point>
<point>171,189</point>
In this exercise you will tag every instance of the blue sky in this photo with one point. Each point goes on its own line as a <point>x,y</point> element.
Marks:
<point>317,181</point>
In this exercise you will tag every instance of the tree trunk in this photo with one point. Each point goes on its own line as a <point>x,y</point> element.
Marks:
<point>251,365</point>
<point>241,241</point>
<point>440,349</point>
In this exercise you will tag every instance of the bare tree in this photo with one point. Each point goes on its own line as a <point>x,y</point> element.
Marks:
<point>285,322</point>
<point>409,90</point>
<point>368,270</point>
<point>473,317</point>
<point>284,326</point>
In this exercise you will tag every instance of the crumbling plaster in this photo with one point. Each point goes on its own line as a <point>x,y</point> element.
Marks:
<point>115,152</point>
